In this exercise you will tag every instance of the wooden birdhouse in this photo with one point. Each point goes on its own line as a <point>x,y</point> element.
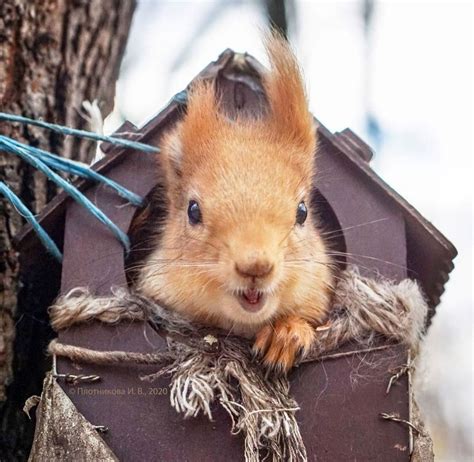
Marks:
<point>379,232</point>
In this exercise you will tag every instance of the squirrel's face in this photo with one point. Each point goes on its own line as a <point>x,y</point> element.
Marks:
<point>240,224</point>
<point>238,245</point>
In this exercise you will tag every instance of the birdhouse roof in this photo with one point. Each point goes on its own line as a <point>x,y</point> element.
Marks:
<point>429,253</point>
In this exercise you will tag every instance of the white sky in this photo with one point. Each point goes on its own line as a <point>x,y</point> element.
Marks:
<point>421,93</point>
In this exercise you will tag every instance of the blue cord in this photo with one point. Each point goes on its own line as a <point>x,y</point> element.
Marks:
<point>71,190</point>
<point>80,133</point>
<point>30,218</point>
<point>45,162</point>
<point>73,167</point>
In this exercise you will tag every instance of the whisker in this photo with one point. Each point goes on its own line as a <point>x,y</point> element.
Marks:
<point>203,242</point>
<point>354,226</point>
<point>348,254</point>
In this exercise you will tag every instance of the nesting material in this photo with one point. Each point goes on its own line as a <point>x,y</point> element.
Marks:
<point>207,366</point>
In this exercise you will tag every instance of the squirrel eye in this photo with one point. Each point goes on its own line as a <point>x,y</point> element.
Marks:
<point>301,213</point>
<point>194,213</point>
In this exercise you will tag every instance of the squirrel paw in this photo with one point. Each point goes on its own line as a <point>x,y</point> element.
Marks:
<point>280,343</point>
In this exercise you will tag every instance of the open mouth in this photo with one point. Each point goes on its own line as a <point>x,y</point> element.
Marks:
<point>251,300</point>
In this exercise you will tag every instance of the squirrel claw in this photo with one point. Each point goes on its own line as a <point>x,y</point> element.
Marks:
<point>279,344</point>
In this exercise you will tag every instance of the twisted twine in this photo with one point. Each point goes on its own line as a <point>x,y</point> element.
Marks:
<point>205,366</point>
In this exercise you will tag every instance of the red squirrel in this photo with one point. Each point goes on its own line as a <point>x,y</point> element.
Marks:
<point>238,249</point>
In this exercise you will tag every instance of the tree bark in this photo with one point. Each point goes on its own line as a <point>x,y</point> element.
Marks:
<point>54,54</point>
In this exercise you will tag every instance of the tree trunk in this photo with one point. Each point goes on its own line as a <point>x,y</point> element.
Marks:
<point>54,54</point>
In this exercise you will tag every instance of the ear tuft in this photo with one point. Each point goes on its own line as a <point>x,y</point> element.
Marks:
<point>202,116</point>
<point>286,94</point>
<point>170,160</point>
<point>173,149</point>
<point>190,139</point>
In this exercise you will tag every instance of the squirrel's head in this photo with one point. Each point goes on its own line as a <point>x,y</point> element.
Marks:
<point>238,238</point>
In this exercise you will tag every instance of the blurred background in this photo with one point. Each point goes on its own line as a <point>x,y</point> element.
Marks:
<point>399,73</point>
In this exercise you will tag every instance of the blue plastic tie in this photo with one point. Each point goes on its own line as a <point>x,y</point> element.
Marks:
<point>50,245</point>
<point>79,133</point>
<point>20,151</point>
<point>73,167</point>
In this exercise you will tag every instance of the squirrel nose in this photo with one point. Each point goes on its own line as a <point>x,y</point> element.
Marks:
<point>255,269</point>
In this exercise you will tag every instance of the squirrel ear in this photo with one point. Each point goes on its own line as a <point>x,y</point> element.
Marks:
<point>289,113</point>
<point>172,149</point>
<point>170,159</point>
<point>192,137</point>
<point>202,119</point>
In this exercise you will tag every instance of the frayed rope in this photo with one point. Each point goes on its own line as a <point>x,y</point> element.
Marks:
<point>206,366</point>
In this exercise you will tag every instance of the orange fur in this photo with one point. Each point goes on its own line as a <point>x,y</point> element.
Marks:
<point>248,177</point>
<point>281,342</point>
